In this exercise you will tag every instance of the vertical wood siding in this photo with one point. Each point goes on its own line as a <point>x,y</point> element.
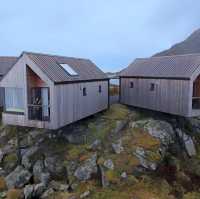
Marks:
<point>170,96</point>
<point>71,105</point>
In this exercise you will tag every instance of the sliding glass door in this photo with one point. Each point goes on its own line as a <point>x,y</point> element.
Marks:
<point>39,107</point>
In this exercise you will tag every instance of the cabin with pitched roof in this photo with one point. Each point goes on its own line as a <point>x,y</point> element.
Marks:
<point>47,91</point>
<point>169,84</point>
<point>5,64</point>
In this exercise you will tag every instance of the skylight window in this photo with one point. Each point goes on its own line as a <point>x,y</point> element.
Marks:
<point>69,70</point>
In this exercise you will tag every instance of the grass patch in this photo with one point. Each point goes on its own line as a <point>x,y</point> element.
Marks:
<point>116,112</point>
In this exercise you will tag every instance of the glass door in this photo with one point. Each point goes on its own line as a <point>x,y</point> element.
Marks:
<point>45,102</point>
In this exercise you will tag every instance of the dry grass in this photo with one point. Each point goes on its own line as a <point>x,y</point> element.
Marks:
<point>2,184</point>
<point>14,194</point>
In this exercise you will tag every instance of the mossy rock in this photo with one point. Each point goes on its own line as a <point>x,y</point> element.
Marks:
<point>139,138</point>
<point>112,176</point>
<point>10,161</point>
<point>14,194</point>
<point>125,162</point>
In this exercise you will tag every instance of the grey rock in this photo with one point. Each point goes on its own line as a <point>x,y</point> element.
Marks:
<point>2,172</point>
<point>35,133</point>
<point>85,194</point>
<point>120,124</point>
<point>27,158</point>
<point>34,191</point>
<point>140,153</point>
<point>7,149</point>
<point>195,124</point>
<point>12,142</point>
<point>28,191</point>
<point>54,166</point>
<point>74,138</point>
<point>39,189</point>
<point>96,145</point>
<point>108,164</point>
<point>18,178</point>
<point>57,186</point>
<point>188,142</point>
<point>124,175</point>
<point>88,168</point>
<point>47,193</point>
<point>45,178</point>
<point>158,129</point>
<point>1,155</point>
<point>38,169</point>
<point>117,147</point>
<point>64,187</point>
<point>104,180</point>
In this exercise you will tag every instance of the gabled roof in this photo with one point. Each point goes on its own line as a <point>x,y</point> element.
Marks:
<point>5,64</point>
<point>177,67</point>
<point>50,65</point>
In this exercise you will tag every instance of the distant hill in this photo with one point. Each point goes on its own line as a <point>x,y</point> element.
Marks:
<point>188,46</point>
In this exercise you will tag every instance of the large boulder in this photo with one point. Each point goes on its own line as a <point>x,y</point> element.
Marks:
<point>34,191</point>
<point>161,130</point>
<point>103,178</point>
<point>55,166</point>
<point>40,174</point>
<point>188,142</point>
<point>89,167</point>
<point>142,155</point>
<point>28,158</point>
<point>194,123</point>
<point>18,178</point>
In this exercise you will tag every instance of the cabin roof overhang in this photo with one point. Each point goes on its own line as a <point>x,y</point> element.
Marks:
<point>81,81</point>
<point>151,77</point>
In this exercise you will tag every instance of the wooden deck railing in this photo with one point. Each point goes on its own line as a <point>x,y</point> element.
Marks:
<point>38,112</point>
<point>195,102</point>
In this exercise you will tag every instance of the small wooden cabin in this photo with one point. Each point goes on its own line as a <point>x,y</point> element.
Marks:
<point>169,84</point>
<point>47,91</point>
<point>5,64</point>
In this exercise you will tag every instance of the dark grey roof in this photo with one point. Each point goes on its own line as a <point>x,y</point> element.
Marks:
<point>50,65</point>
<point>179,66</point>
<point>5,64</point>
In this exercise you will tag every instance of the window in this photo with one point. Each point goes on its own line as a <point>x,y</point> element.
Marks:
<point>152,87</point>
<point>99,88</point>
<point>84,91</point>
<point>14,100</point>
<point>131,85</point>
<point>69,70</point>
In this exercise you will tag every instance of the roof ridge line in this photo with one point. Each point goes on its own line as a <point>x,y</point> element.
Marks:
<point>51,55</point>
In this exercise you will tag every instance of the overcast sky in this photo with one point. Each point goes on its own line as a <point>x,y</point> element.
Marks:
<point>112,33</point>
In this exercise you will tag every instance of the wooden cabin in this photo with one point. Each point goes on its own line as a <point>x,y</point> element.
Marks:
<point>5,64</point>
<point>169,84</point>
<point>47,91</point>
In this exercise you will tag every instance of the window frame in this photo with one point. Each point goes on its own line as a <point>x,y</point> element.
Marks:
<point>152,87</point>
<point>14,110</point>
<point>131,85</point>
<point>100,89</point>
<point>84,91</point>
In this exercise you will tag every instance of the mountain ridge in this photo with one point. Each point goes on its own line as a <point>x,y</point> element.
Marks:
<point>190,45</point>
